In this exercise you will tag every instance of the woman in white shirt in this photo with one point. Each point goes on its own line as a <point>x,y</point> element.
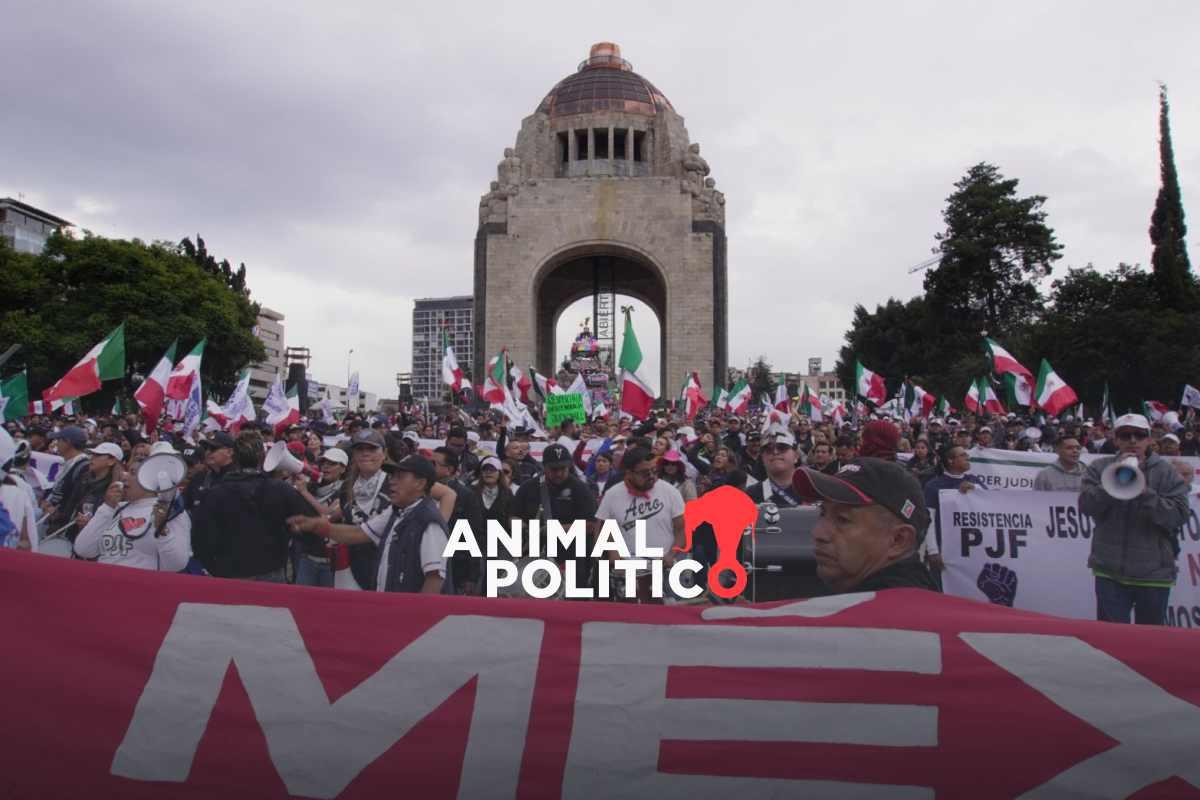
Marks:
<point>136,533</point>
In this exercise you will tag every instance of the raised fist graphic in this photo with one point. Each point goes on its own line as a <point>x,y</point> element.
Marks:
<point>999,583</point>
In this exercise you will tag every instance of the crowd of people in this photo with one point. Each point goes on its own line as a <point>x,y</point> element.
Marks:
<point>373,498</point>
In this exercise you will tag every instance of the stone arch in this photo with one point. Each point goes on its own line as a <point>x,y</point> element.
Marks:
<point>567,275</point>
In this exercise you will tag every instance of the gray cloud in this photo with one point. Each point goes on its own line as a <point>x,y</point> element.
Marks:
<point>340,152</point>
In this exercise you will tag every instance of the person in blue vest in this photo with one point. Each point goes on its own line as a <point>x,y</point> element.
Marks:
<point>409,537</point>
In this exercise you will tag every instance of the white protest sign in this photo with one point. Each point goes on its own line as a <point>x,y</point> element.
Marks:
<point>1029,550</point>
<point>1015,469</point>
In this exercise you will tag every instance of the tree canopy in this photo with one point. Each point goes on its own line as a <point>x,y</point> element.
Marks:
<point>1131,329</point>
<point>62,302</point>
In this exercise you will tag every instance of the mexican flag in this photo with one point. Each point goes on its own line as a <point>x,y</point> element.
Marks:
<point>522,383</point>
<point>1018,390</point>
<point>495,386</point>
<point>917,401</point>
<point>1052,394</point>
<point>869,385</point>
<point>810,406</point>
<point>1003,361</point>
<point>782,401</point>
<point>971,401</point>
<point>943,407</point>
<point>692,397</point>
<point>14,397</point>
<point>104,362</point>
<point>987,395</point>
<point>1154,410</point>
<point>542,385</point>
<point>739,397</point>
<point>283,409</point>
<point>150,394</point>
<point>637,398</point>
<point>186,372</point>
<point>1106,410</point>
<point>452,374</point>
<point>722,403</point>
<point>217,414</point>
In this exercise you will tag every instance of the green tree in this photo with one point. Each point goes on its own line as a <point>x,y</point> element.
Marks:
<point>1168,231</point>
<point>60,303</point>
<point>1110,328</point>
<point>902,339</point>
<point>761,380</point>
<point>994,248</point>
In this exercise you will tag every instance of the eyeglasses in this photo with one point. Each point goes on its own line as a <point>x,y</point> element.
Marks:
<point>1129,436</point>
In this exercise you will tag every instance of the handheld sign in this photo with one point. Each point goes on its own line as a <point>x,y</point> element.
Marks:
<point>564,406</point>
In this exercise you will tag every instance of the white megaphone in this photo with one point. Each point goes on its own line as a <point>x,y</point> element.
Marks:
<point>162,471</point>
<point>279,457</point>
<point>1123,479</point>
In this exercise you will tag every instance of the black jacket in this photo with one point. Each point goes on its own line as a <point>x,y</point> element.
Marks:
<point>468,506</point>
<point>239,529</point>
<point>907,574</point>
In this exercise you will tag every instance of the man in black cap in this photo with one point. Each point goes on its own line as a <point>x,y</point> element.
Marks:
<point>559,494</point>
<point>218,463</point>
<point>408,538</point>
<point>873,518</point>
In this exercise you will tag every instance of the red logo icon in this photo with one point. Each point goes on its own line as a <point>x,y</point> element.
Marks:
<point>728,511</point>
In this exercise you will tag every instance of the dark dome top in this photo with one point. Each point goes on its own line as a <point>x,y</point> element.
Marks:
<point>605,82</point>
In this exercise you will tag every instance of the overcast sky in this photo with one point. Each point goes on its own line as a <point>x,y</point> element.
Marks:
<point>340,150</point>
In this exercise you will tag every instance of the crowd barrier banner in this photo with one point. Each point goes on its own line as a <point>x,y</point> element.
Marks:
<point>1014,469</point>
<point>130,684</point>
<point>1029,550</point>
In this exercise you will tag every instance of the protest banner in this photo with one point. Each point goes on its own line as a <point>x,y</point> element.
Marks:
<point>1016,469</point>
<point>560,407</point>
<point>1029,550</point>
<point>48,466</point>
<point>205,687</point>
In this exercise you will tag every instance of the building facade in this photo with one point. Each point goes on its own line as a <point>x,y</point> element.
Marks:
<point>27,228</point>
<point>603,193</point>
<point>269,331</point>
<point>430,316</point>
<point>336,395</point>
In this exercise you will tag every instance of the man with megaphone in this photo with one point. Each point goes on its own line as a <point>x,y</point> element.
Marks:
<point>1138,503</point>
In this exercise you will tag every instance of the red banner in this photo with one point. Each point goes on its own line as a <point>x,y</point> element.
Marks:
<point>129,684</point>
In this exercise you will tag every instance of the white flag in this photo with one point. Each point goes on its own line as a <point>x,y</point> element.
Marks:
<point>1191,397</point>
<point>352,393</point>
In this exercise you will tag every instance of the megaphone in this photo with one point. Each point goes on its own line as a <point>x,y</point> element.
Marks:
<point>1123,479</point>
<point>163,469</point>
<point>279,457</point>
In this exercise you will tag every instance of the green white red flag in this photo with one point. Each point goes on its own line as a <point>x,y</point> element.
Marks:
<point>810,406</point>
<point>1003,361</point>
<point>1154,410</point>
<point>917,401</point>
<point>104,362</point>
<point>987,395</point>
<point>782,401</point>
<point>1053,395</point>
<point>452,374</point>
<point>151,393</point>
<point>869,385</point>
<point>722,402</point>
<point>186,372</point>
<point>739,397</point>
<point>692,398</point>
<point>943,407</point>
<point>1018,390</point>
<point>637,398</point>
<point>495,385</point>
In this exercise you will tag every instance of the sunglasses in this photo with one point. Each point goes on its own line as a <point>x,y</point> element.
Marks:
<point>1129,436</point>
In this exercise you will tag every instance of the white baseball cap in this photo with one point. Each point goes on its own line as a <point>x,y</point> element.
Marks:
<point>1132,421</point>
<point>1172,437</point>
<point>337,455</point>
<point>107,449</point>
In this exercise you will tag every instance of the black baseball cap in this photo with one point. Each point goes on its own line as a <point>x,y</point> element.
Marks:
<point>417,465</point>
<point>218,440</point>
<point>556,456</point>
<point>865,482</point>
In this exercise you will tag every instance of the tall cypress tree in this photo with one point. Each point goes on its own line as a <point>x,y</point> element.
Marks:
<point>1172,271</point>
